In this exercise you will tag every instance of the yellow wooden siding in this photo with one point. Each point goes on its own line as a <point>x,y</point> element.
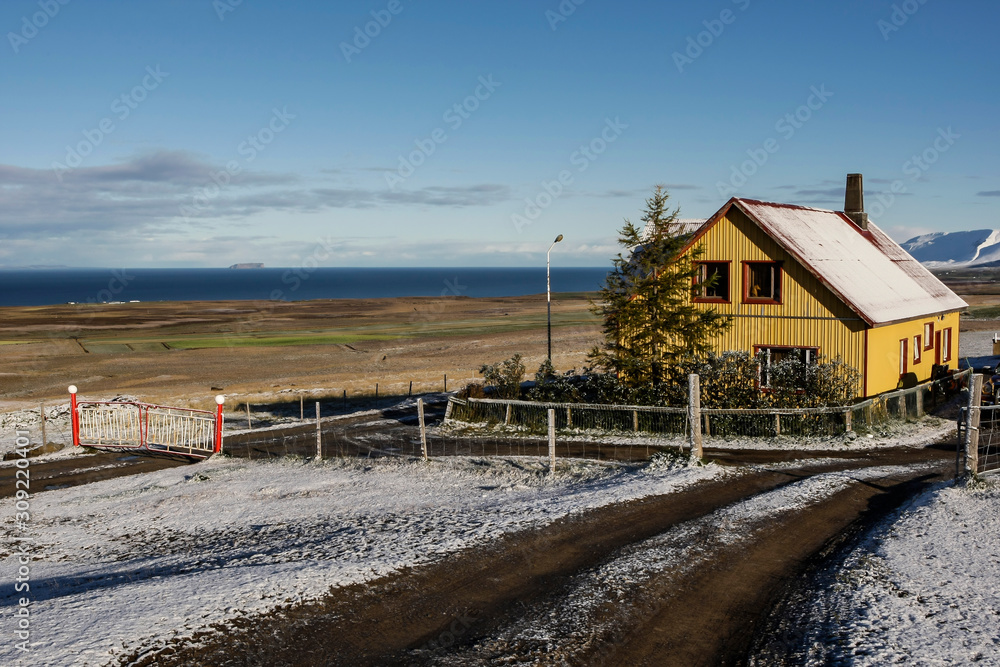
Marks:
<point>883,351</point>
<point>810,315</point>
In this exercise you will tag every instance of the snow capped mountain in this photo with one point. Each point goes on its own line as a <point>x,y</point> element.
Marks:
<point>943,249</point>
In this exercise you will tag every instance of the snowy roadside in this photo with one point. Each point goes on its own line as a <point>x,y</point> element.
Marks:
<point>137,560</point>
<point>923,588</point>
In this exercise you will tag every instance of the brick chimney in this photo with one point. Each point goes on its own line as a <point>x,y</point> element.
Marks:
<point>854,200</point>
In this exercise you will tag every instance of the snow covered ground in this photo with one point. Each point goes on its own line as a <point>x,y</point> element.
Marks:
<point>564,631</point>
<point>922,589</point>
<point>133,561</point>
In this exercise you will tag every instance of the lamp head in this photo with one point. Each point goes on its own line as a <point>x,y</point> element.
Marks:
<point>558,239</point>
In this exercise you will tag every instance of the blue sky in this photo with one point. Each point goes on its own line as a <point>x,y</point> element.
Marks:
<point>202,133</point>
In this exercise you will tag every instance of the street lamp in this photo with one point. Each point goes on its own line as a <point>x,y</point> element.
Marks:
<point>548,291</point>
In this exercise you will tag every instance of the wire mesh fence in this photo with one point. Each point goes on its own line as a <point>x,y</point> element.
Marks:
<point>988,459</point>
<point>513,417</point>
<point>979,439</point>
<point>405,442</point>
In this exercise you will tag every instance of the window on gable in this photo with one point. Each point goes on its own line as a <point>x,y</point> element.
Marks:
<point>762,282</point>
<point>784,360</point>
<point>712,282</point>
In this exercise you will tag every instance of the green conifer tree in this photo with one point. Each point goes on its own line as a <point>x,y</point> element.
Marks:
<point>649,318</point>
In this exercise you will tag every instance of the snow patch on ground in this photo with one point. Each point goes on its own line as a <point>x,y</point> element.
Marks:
<point>137,560</point>
<point>924,588</point>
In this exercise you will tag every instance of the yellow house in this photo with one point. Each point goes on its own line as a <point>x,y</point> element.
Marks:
<point>813,282</point>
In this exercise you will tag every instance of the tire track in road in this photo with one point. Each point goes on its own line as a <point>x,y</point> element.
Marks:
<point>463,610</point>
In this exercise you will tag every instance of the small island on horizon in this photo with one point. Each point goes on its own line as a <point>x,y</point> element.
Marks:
<point>248,265</point>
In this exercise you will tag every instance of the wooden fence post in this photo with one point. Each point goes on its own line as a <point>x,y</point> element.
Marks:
<point>41,412</point>
<point>635,420</point>
<point>569,418</point>
<point>848,425</point>
<point>694,415</point>
<point>423,427</point>
<point>972,425</point>
<point>552,441</point>
<point>319,436</point>
<point>777,424</point>
<point>249,424</point>
<point>302,407</point>
<point>410,392</point>
<point>920,402</point>
<point>446,383</point>
<point>506,418</point>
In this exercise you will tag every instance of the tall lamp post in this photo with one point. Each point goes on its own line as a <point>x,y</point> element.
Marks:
<point>548,290</point>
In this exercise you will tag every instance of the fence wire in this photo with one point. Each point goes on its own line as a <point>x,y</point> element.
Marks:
<point>527,418</point>
<point>988,459</point>
<point>404,442</point>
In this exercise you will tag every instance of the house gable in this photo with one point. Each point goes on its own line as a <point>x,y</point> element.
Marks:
<point>865,269</point>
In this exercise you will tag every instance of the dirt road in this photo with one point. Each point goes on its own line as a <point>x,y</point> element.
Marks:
<point>680,579</point>
<point>77,470</point>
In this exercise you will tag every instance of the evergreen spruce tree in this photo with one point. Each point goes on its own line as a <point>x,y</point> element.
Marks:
<point>650,321</point>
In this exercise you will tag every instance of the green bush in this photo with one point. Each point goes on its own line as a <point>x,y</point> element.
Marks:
<point>728,380</point>
<point>505,377</point>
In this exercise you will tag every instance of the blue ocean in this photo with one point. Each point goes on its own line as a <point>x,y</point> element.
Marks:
<point>53,286</point>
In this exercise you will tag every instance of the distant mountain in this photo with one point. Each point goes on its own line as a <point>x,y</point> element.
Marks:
<point>247,265</point>
<point>944,249</point>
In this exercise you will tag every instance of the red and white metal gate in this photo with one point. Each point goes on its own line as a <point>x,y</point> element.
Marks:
<point>141,426</point>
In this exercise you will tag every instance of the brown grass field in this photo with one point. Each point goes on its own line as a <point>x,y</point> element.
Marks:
<point>183,353</point>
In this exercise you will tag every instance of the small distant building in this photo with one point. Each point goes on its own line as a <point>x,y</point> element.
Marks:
<point>813,282</point>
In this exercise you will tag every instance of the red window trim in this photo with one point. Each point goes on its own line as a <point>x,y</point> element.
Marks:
<point>746,283</point>
<point>713,299</point>
<point>929,338</point>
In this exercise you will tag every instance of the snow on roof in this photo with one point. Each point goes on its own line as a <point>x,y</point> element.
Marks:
<point>866,269</point>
